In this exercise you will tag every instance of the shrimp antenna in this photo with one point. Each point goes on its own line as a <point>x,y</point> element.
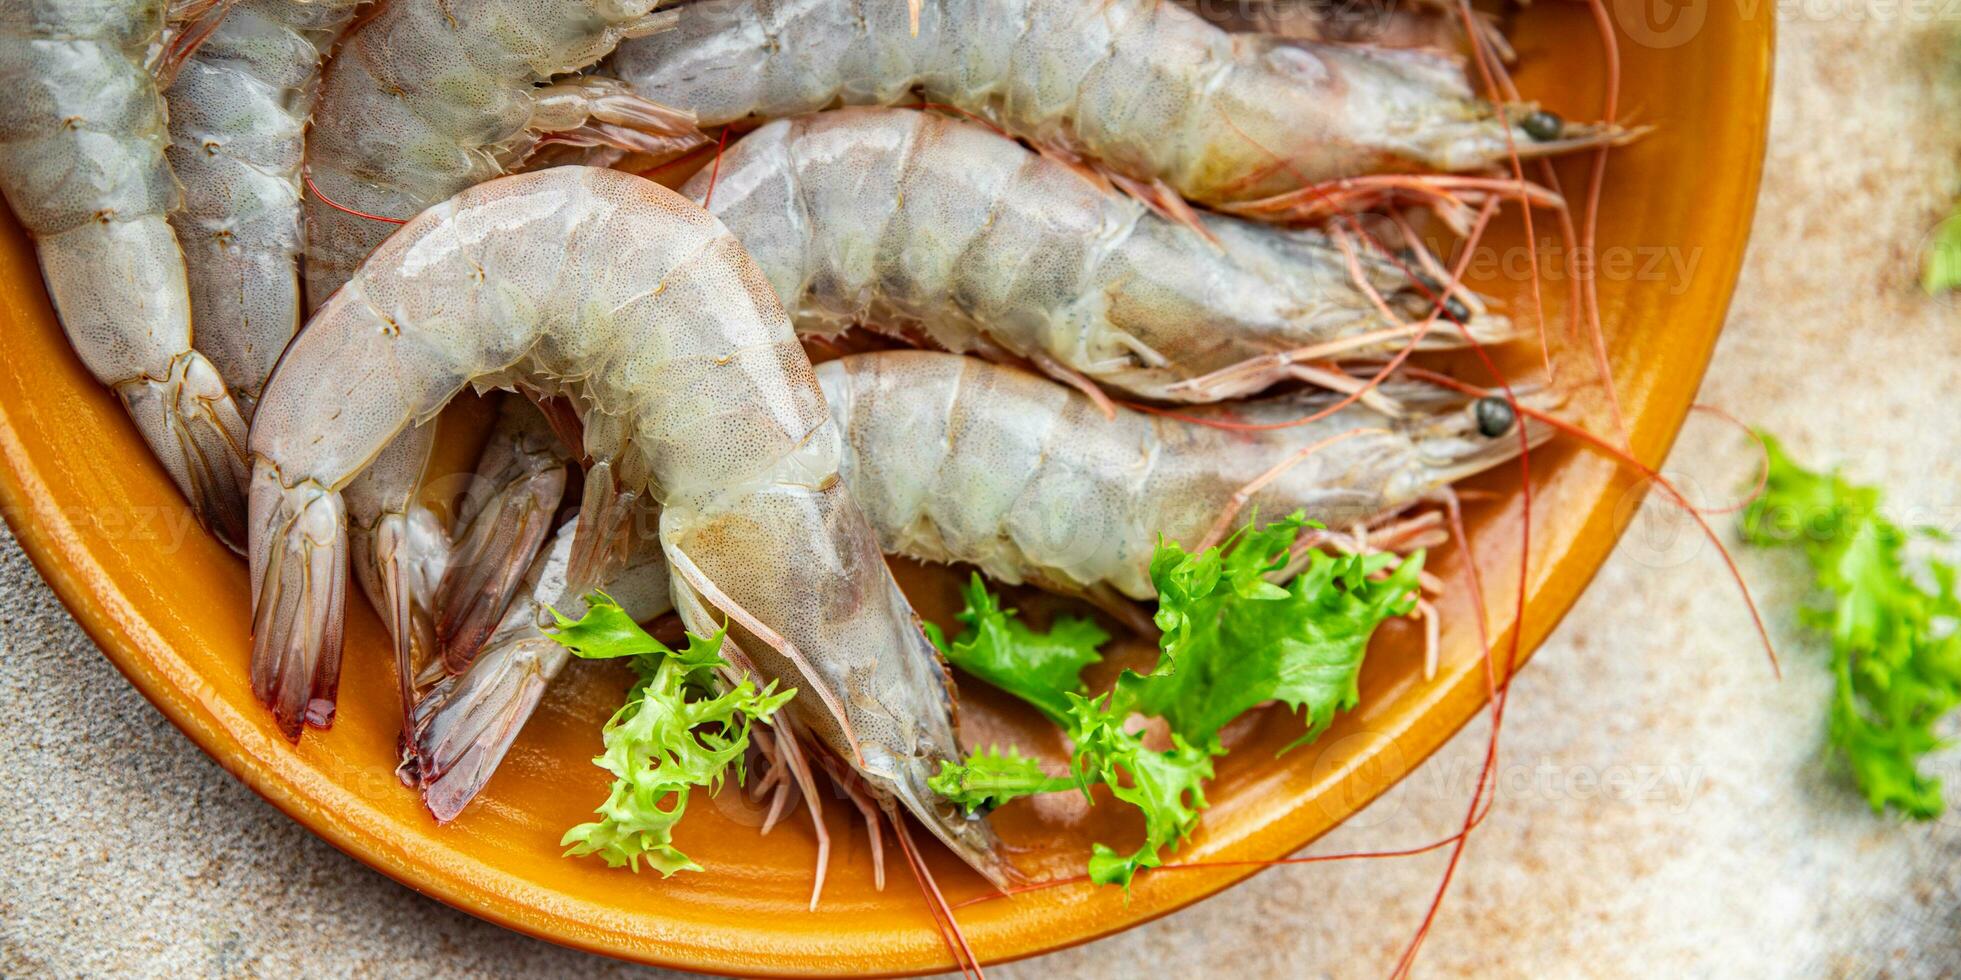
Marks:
<point>306,174</point>
<point>936,903</point>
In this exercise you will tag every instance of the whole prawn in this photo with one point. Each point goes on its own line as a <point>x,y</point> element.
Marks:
<point>82,139</point>
<point>1143,89</point>
<point>238,113</point>
<point>691,387</point>
<point>428,97</point>
<point>914,221</point>
<point>953,459</point>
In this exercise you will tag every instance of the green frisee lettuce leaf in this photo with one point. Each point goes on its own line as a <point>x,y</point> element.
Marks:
<point>991,777</point>
<point>675,732</point>
<point>1037,667</point>
<point>1896,653</point>
<point>1232,640</point>
<point>1166,787</point>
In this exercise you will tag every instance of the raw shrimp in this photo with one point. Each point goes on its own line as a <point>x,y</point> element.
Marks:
<point>466,723</point>
<point>238,113</point>
<point>644,312</point>
<point>501,524</point>
<point>82,140</point>
<point>428,97</point>
<point>953,459</point>
<point>913,221</point>
<point>398,549</point>
<point>1143,89</point>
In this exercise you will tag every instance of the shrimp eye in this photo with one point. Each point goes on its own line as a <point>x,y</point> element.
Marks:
<point>1455,309</point>
<point>1494,417</point>
<point>1543,126</point>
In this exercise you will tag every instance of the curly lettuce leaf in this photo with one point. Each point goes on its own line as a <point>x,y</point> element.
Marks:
<point>1167,787</point>
<point>1041,668</point>
<point>1234,640</point>
<point>992,777</point>
<point>674,733</point>
<point>1896,654</point>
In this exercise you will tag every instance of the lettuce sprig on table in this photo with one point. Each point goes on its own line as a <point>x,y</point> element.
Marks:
<point>1896,652</point>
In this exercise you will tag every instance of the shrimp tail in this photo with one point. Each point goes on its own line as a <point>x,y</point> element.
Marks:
<point>399,563</point>
<point>194,428</point>
<point>491,555</point>
<point>299,597</point>
<point>465,724</point>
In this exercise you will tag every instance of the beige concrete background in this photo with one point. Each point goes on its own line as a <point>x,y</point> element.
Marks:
<point>1664,804</point>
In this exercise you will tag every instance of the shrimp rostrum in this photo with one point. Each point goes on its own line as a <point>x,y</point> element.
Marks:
<point>649,318</point>
<point>1143,89</point>
<point>915,222</point>
<point>82,141</point>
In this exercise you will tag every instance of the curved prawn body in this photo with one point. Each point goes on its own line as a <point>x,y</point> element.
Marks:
<point>916,222</point>
<point>238,111</point>
<point>692,390</point>
<point>82,140</point>
<point>957,460</point>
<point>1143,88</point>
<point>465,725</point>
<point>428,97</point>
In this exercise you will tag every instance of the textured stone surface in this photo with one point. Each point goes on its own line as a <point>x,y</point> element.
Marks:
<point>1664,805</point>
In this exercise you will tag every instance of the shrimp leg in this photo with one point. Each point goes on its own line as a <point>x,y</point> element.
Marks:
<point>501,524</point>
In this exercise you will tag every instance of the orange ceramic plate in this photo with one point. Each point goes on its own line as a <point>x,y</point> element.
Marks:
<point>168,604</point>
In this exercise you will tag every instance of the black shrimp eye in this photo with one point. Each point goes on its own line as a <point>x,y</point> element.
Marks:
<point>1455,309</point>
<point>1543,126</point>
<point>1494,417</point>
